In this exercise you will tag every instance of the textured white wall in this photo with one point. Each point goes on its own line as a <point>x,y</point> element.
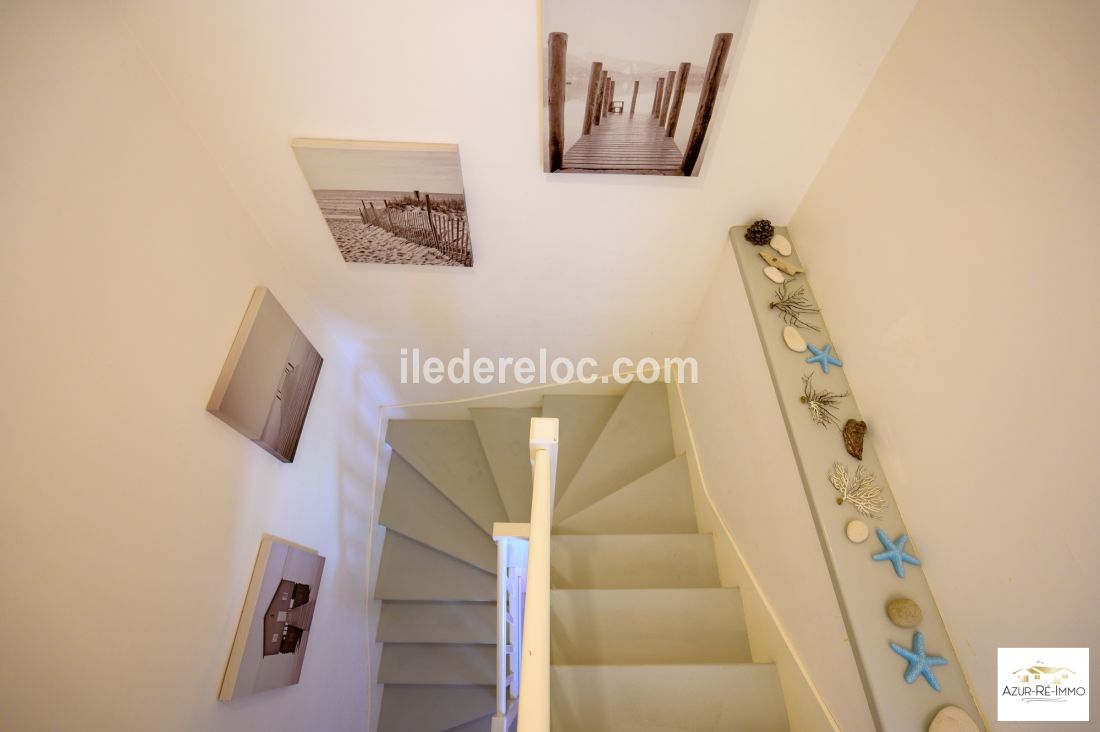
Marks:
<point>951,238</point>
<point>131,518</point>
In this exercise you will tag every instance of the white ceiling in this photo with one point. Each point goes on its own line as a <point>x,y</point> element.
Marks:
<point>581,265</point>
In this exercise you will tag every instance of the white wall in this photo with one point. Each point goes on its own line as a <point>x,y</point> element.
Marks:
<point>951,237</point>
<point>592,265</point>
<point>131,517</point>
<point>746,461</point>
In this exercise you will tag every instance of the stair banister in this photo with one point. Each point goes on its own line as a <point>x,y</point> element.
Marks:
<point>534,695</point>
<point>512,543</point>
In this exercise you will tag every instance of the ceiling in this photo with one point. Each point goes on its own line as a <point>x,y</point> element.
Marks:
<point>596,266</point>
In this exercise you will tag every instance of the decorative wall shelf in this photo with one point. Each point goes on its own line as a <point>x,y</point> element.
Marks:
<point>864,587</point>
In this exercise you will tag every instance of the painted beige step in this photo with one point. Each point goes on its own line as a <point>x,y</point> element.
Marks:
<point>684,625</point>
<point>427,663</point>
<point>411,571</point>
<point>413,507</point>
<point>505,438</point>
<point>708,698</point>
<point>432,708</point>
<point>636,440</point>
<point>633,561</point>
<point>437,622</point>
<point>658,502</point>
<point>448,453</point>
<point>581,419</point>
<point>478,725</point>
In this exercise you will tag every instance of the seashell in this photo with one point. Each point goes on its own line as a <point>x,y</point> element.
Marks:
<point>793,339</point>
<point>853,432</point>
<point>952,719</point>
<point>775,275</point>
<point>781,264</point>
<point>857,531</point>
<point>781,244</point>
<point>904,613</point>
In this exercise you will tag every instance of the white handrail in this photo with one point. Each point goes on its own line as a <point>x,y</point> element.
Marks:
<point>511,542</point>
<point>534,689</point>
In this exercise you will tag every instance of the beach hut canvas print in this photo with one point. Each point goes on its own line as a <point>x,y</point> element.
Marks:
<point>633,87</point>
<point>270,645</point>
<point>267,382</point>
<point>390,202</point>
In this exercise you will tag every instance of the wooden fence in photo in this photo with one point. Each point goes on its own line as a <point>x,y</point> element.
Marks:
<point>447,233</point>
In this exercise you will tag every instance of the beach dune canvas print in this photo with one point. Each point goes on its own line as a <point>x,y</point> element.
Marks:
<point>390,202</point>
<point>633,86</point>
<point>270,645</point>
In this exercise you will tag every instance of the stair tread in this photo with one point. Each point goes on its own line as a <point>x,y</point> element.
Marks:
<point>504,435</point>
<point>422,708</point>
<point>412,571</point>
<point>437,622</point>
<point>658,502</point>
<point>672,626</point>
<point>484,724</point>
<point>448,453</point>
<point>632,561</point>
<point>434,663</point>
<point>636,440</point>
<point>581,419</point>
<point>667,698</point>
<point>413,506</point>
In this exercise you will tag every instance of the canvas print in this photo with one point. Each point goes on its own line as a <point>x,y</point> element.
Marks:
<point>267,382</point>
<point>632,87</point>
<point>270,645</point>
<point>390,202</point>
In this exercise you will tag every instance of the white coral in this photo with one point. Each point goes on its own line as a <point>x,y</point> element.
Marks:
<point>859,490</point>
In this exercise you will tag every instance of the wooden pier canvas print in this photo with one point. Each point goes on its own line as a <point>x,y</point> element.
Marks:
<point>632,87</point>
<point>267,382</point>
<point>270,645</point>
<point>390,202</point>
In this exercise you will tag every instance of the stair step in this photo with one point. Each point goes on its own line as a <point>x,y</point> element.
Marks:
<point>431,663</point>
<point>505,438</point>
<point>485,724</point>
<point>412,506</point>
<point>448,453</point>
<point>658,502</point>
<point>581,419</point>
<point>433,708</point>
<point>437,622</point>
<point>700,698</point>
<point>633,561</point>
<point>700,625</point>
<point>411,571</point>
<point>636,440</point>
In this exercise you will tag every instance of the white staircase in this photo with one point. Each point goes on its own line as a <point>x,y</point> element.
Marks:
<point>643,637</point>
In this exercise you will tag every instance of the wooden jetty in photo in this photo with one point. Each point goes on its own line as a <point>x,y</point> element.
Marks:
<point>614,142</point>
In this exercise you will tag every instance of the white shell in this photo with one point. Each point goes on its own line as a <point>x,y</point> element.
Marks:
<point>952,719</point>
<point>793,339</point>
<point>857,531</point>
<point>781,244</point>
<point>774,275</point>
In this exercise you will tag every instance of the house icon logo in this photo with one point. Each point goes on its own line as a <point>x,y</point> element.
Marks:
<point>1043,684</point>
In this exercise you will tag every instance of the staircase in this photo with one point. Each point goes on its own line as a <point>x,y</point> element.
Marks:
<point>643,637</point>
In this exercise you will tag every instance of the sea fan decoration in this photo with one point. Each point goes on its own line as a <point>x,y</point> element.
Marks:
<point>793,305</point>
<point>822,404</point>
<point>858,489</point>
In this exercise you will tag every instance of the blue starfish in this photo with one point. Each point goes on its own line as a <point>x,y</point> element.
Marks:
<point>895,552</point>
<point>823,356</point>
<point>919,663</point>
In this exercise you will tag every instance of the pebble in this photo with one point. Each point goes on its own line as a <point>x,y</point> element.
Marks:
<point>904,613</point>
<point>952,719</point>
<point>857,531</point>
<point>781,244</point>
<point>774,275</point>
<point>793,339</point>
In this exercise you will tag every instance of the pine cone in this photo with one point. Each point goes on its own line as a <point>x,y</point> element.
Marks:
<point>760,233</point>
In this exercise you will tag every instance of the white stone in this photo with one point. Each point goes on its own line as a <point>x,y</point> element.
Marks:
<point>781,244</point>
<point>952,719</point>
<point>793,339</point>
<point>857,531</point>
<point>774,275</point>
